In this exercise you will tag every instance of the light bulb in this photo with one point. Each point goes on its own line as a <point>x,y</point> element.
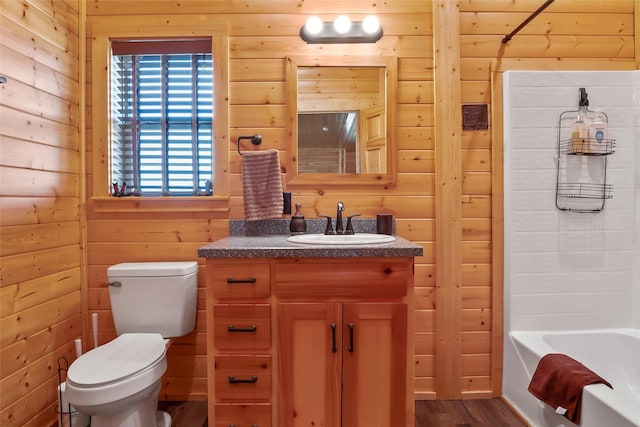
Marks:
<point>342,24</point>
<point>370,25</point>
<point>313,25</point>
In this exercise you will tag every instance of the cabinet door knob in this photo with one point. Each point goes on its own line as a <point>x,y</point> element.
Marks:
<point>231,328</point>
<point>334,348</point>
<point>232,281</point>
<point>234,380</point>
<point>351,347</point>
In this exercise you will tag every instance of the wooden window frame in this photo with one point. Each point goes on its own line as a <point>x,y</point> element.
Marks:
<point>154,27</point>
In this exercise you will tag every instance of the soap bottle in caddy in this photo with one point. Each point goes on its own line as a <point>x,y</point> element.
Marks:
<point>298,224</point>
<point>598,134</point>
<point>580,134</point>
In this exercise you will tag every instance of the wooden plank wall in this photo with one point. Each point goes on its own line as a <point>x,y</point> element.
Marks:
<point>261,35</point>
<point>567,31</point>
<point>41,210</point>
<point>40,181</point>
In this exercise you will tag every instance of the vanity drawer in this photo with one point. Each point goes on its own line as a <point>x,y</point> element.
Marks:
<point>362,279</point>
<point>242,327</point>
<point>243,415</point>
<point>243,378</point>
<point>240,281</point>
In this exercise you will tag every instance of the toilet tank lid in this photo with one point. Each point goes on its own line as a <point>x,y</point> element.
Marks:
<point>152,269</point>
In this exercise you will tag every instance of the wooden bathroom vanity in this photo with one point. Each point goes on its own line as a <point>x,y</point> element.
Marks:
<point>302,335</point>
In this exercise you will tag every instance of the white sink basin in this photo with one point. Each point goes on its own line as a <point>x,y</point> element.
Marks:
<point>358,239</point>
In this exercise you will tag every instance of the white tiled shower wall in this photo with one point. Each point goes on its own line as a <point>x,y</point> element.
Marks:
<point>567,270</point>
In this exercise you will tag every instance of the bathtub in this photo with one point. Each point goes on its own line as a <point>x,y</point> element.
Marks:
<point>614,354</point>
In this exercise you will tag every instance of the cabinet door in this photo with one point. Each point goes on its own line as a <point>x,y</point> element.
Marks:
<point>374,365</point>
<point>309,353</point>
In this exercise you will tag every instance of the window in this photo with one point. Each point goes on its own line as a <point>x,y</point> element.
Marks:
<point>162,117</point>
<point>107,164</point>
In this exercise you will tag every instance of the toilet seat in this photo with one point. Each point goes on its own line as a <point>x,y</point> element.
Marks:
<point>116,370</point>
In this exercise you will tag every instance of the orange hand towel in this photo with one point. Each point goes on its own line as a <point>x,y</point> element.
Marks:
<point>558,381</point>
<point>262,185</point>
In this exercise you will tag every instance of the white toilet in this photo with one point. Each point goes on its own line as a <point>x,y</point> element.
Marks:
<point>117,384</point>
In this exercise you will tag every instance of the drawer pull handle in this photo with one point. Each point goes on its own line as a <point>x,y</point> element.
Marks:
<point>232,328</point>
<point>233,281</point>
<point>351,326</point>
<point>234,380</point>
<point>334,348</point>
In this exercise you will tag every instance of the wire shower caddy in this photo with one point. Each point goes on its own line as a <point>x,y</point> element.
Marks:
<point>581,180</point>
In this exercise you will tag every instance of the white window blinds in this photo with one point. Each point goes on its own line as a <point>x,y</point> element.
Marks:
<point>162,112</point>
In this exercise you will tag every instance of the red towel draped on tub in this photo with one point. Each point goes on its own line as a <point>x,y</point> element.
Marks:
<point>558,381</point>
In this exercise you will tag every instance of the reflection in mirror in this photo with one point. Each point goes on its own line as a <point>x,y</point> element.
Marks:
<point>357,90</point>
<point>341,120</point>
<point>328,142</point>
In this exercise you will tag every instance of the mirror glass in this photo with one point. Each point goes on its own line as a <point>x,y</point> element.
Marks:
<point>328,142</point>
<point>340,119</point>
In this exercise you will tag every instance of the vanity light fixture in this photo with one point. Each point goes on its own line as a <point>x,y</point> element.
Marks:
<point>342,30</point>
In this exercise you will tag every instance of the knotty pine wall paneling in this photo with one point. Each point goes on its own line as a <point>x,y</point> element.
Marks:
<point>40,189</point>
<point>575,32</point>
<point>261,35</point>
<point>41,171</point>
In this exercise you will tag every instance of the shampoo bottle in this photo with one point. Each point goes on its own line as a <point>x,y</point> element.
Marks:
<point>580,135</point>
<point>598,134</point>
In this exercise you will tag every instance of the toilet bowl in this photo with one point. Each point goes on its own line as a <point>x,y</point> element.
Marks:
<point>118,383</point>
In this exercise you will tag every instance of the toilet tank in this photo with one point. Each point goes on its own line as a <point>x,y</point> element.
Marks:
<point>158,297</point>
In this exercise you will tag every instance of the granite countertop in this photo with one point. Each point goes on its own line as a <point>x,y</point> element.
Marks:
<point>263,242</point>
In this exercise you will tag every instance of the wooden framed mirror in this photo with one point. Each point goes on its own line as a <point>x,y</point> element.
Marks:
<point>341,113</point>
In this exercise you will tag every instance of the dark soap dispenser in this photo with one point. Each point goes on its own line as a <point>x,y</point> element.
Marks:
<point>298,225</point>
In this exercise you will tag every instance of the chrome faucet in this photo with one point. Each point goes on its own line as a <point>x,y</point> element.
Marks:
<point>339,228</point>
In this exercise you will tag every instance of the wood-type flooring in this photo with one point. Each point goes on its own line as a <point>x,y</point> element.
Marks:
<point>429,413</point>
